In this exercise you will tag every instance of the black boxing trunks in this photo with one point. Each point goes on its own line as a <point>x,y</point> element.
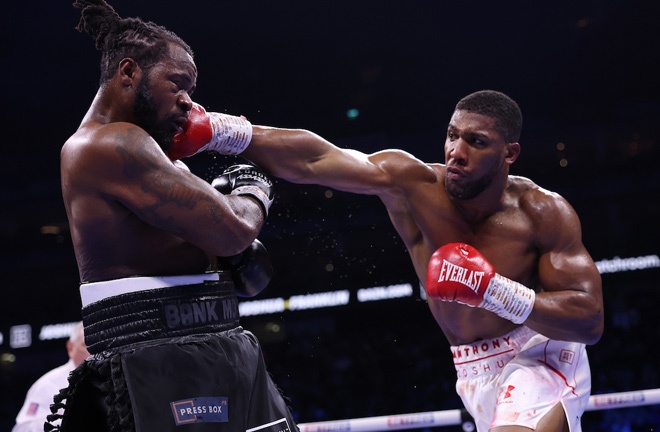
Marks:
<point>169,358</point>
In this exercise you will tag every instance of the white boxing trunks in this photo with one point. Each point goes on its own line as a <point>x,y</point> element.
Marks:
<point>517,378</point>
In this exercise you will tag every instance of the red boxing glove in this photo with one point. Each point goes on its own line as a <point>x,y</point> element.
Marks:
<point>196,133</point>
<point>224,134</point>
<point>459,273</point>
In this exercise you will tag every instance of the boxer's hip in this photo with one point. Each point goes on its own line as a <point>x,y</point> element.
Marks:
<point>133,310</point>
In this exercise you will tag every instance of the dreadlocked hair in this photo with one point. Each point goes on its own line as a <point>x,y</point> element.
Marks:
<point>118,38</point>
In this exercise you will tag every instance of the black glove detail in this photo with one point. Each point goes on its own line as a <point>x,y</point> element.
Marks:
<point>246,179</point>
<point>250,269</point>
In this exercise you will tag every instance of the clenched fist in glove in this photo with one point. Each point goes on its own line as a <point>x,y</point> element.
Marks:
<point>458,272</point>
<point>250,269</point>
<point>246,179</point>
<point>222,133</point>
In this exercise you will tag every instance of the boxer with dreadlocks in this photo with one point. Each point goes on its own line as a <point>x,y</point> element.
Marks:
<point>162,254</point>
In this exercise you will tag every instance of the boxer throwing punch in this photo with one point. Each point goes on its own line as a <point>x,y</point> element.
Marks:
<point>508,279</point>
<point>161,253</point>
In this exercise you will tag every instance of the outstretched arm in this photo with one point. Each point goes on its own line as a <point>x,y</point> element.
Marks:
<point>301,156</point>
<point>296,155</point>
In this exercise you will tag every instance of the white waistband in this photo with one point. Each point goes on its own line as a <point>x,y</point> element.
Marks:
<point>489,356</point>
<point>96,291</point>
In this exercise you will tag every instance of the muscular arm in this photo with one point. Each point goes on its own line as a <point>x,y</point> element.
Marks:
<point>571,304</point>
<point>300,156</point>
<point>395,176</point>
<point>120,164</point>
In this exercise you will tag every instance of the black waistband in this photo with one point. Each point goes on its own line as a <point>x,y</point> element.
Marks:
<point>140,316</point>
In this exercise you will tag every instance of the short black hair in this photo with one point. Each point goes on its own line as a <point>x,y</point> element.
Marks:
<point>497,105</point>
<point>117,38</point>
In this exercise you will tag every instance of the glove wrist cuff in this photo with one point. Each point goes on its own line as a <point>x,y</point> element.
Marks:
<point>509,299</point>
<point>256,192</point>
<point>231,134</point>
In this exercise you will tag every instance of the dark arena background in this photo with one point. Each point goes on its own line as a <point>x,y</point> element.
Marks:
<point>344,327</point>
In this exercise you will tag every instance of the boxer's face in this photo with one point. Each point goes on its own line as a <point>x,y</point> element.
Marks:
<point>162,97</point>
<point>475,154</point>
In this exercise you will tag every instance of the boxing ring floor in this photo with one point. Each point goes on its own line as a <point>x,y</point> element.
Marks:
<point>456,417</point>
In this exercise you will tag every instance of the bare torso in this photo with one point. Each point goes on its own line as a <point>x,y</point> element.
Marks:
<point>505,237</point>
<point>110,240</point>
<point>424,215</point>
<point>114,243</point>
